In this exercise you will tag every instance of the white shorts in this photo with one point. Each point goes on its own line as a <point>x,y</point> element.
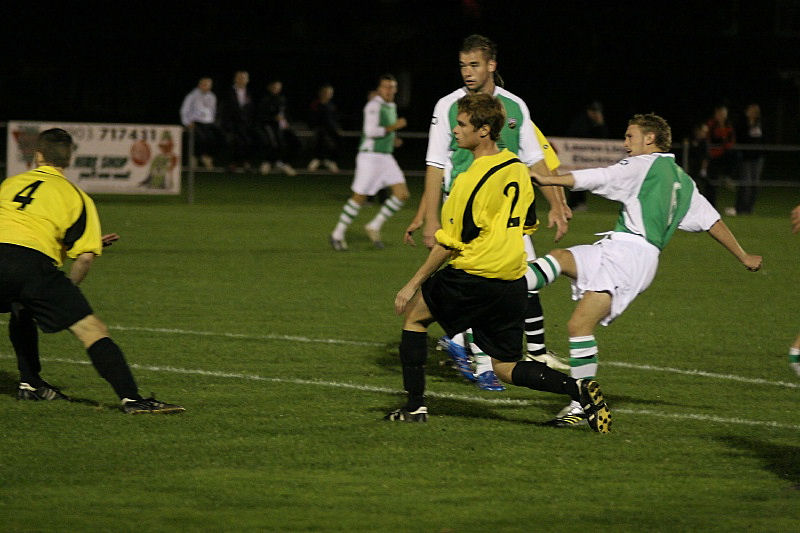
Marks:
<point>529,251</point>
<point>622,264</point>
<point>375,171</point>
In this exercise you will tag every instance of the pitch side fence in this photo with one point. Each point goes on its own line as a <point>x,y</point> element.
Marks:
<point>781,166</point>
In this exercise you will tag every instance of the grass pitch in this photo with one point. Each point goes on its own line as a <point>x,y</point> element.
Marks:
<point>285,356</point>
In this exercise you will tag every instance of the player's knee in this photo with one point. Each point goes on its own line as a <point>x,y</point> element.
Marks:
<point>503,370</point>
<point>89,330</point>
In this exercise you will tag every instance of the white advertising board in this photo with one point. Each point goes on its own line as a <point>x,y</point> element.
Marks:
<point>108,158</point>
<point>587,153</point>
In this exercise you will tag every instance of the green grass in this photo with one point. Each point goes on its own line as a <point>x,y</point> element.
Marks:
<point>285,355</point>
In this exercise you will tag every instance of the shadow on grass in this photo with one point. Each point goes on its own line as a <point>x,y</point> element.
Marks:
<point>9,383</point>
<point>439,364</point>
<point>783,461</point>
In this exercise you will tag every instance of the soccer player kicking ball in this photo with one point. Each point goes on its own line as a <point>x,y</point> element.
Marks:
<point>483,287</point>
<point>657,198</point>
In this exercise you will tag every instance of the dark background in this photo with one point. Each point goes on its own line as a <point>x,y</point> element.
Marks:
<point>135,61</point>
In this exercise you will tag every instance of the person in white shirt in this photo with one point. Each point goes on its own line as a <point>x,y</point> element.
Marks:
<point>199,114</point>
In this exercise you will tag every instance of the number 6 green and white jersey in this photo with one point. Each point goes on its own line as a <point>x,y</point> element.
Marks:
<point>657,197</point>
<point>517,135</point>
<point>378,113</point>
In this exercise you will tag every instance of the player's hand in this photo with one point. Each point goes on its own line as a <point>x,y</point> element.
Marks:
<point>752,262</point>
<point>109,239</point>
<point>408,236</point>
<point>400,124</point>
<point>558,218</point>
<point>540,179</point>
<point>403,297</point>
<point>429,236</point>
<point>796,219</point>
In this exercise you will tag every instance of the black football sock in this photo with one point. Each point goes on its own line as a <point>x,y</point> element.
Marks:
<point>25,339</point>
<point>413,354</point>
<point>110,363</point>
<point>538,376</point>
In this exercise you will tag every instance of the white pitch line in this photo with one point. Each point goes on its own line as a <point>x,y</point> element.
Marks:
<point>703,373</point>
<point>463,397</point>
<point>293,338</point>
<point>290,338</point>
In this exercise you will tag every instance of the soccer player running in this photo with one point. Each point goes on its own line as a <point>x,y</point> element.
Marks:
<point>44,219</point>
<point>657,198</point>
<point>445,161</point>
<point>488,209</point>
<point>376,167</point>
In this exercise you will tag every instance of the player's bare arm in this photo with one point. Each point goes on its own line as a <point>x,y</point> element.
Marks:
<point>80,267</point>
<point>796,219</point>
<point>564,180</point>
<point>558,215</point>
<point>432,198</point>
<point>436,258</point>
<point>720,232</point>
<point>416,223</point>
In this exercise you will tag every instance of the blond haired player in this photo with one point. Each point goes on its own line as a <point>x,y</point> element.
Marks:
<point>657,199</point>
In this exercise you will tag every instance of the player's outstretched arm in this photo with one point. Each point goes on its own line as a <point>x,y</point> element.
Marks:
<point>723,235</point>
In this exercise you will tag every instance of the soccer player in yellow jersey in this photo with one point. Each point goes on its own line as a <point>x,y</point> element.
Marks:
<point>483,287</point>
<point>45,219</point>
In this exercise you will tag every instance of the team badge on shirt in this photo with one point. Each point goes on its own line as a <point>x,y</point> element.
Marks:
<point>512,123</point>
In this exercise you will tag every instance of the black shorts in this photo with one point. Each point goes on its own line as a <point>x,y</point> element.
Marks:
<point>29,278</point>
<point>493,308</point>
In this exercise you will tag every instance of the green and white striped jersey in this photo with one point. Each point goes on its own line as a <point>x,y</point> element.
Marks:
<point>657,197</point>
<point>517,135</point>
<point>378,114</point>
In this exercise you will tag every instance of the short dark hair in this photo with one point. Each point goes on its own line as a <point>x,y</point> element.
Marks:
<point>479,42</point>
<point>484,109</point>
<point>652,123</point>
<point>386,76</point>
<point>56,147</point>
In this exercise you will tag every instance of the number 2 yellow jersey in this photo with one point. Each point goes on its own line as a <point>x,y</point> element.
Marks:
<point>41,209</point>
<point>485,216</point>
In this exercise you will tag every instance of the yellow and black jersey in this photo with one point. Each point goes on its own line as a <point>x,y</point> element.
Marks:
<point>41,209</point>
<point>483,219</point>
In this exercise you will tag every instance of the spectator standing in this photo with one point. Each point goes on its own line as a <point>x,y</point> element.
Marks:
<point>237,119</point>
<point>322,118</point>
<point>751,162</point>
<point>588,125</point>
<point>721,138</point>
<point>277,137</point>
<point>198,114</point>
<point>698,154</point>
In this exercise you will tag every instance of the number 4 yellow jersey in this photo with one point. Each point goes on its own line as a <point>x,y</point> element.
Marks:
<point>41,209</point>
